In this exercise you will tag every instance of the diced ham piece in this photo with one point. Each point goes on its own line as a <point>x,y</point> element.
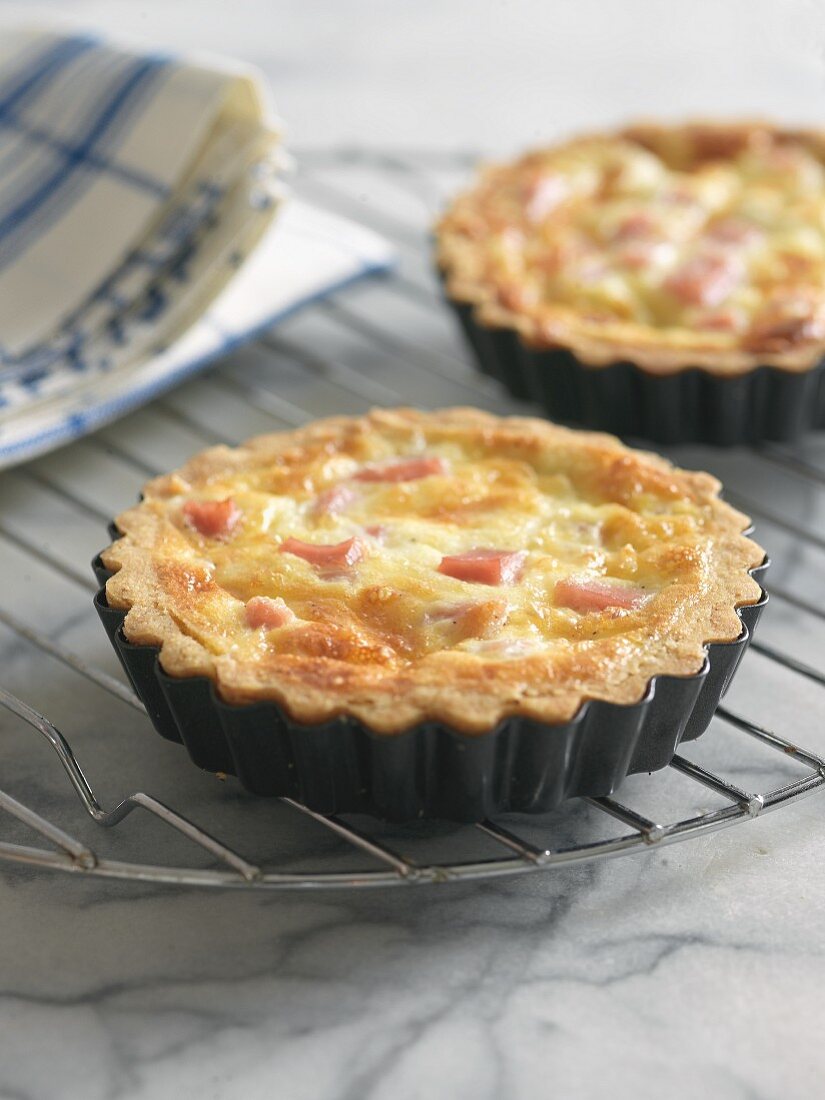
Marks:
<point>543,195</point>
<point>596,594</point>
<point>213,518</point>
<point>331,502</point>
<point>407,469</point>
<point>636,227</point>
<point>341,554</point>
<point>484,566</point>
<point>704,280</point>
<point>720,320</point>
<point>376,531</point>
<point>264,611</point>
<point>733,231</point>
<point>787,322</point>
<point>638,242</point>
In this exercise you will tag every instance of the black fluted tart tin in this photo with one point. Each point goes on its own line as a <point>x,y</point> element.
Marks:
<point>765,404</point>
<point>430,770</point>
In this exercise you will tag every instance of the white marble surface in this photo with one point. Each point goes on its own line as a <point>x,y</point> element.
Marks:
<point>692,971</point>
<point>696,972</point>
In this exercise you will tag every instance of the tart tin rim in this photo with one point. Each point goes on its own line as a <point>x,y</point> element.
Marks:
<point>476,305</point>
<point>466,784</point>
<point>690,405</point>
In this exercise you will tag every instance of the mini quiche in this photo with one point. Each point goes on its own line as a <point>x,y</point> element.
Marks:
<point>694,254</point>
<point>407,572</point>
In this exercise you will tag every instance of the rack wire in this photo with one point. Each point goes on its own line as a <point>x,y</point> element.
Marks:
<point>383,343</point>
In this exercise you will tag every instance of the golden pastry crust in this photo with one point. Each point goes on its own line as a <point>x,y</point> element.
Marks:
<point>402,633</point>
<point>698,245</point>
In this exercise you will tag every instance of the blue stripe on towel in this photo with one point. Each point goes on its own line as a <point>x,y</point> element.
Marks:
<point>139,180</point>
<point>32,162</point>
<point>37,76</point>
<point>103,411</point>
<point>25,92</point>
<point>24,224</point>
<point>36,72</point>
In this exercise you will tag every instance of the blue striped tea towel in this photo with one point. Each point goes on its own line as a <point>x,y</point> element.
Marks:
<point>137,241</point>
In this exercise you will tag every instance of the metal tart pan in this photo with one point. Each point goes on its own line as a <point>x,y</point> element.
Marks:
<point>692,406</point>
<point>430,770</point>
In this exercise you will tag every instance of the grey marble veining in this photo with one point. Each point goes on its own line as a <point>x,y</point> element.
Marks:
<point>692,971</point>
<point>646,975</point>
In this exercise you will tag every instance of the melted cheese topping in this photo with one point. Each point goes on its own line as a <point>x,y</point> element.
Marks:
<point>394,604</point>
<point>698,237</point>
<point>448,565</point>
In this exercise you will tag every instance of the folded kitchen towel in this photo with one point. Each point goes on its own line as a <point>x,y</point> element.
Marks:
<point>137,240</point>
<point>99,147</point>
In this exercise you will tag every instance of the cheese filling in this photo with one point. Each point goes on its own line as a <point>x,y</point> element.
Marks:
<point>714,243</point>
<point>389,558</point>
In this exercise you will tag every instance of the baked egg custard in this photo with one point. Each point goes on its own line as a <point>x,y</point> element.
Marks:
<point>694,245</point>
<point>449,566</point>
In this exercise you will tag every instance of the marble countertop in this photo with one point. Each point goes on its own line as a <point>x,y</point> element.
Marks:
<point>694,970</point>
<point>697,971</point>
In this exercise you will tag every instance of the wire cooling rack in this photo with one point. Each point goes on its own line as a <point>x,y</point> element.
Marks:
<point>386,342</point>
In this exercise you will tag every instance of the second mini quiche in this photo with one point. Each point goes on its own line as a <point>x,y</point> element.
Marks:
<point>661,281</point>
<point>440,613</point>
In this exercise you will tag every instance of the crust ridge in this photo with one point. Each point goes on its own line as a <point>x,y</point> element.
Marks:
<point>167,588</point>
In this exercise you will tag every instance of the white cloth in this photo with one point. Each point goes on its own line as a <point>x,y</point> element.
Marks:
<point>97,145</point>
<point>306,254</point>
<point>137,242</point>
